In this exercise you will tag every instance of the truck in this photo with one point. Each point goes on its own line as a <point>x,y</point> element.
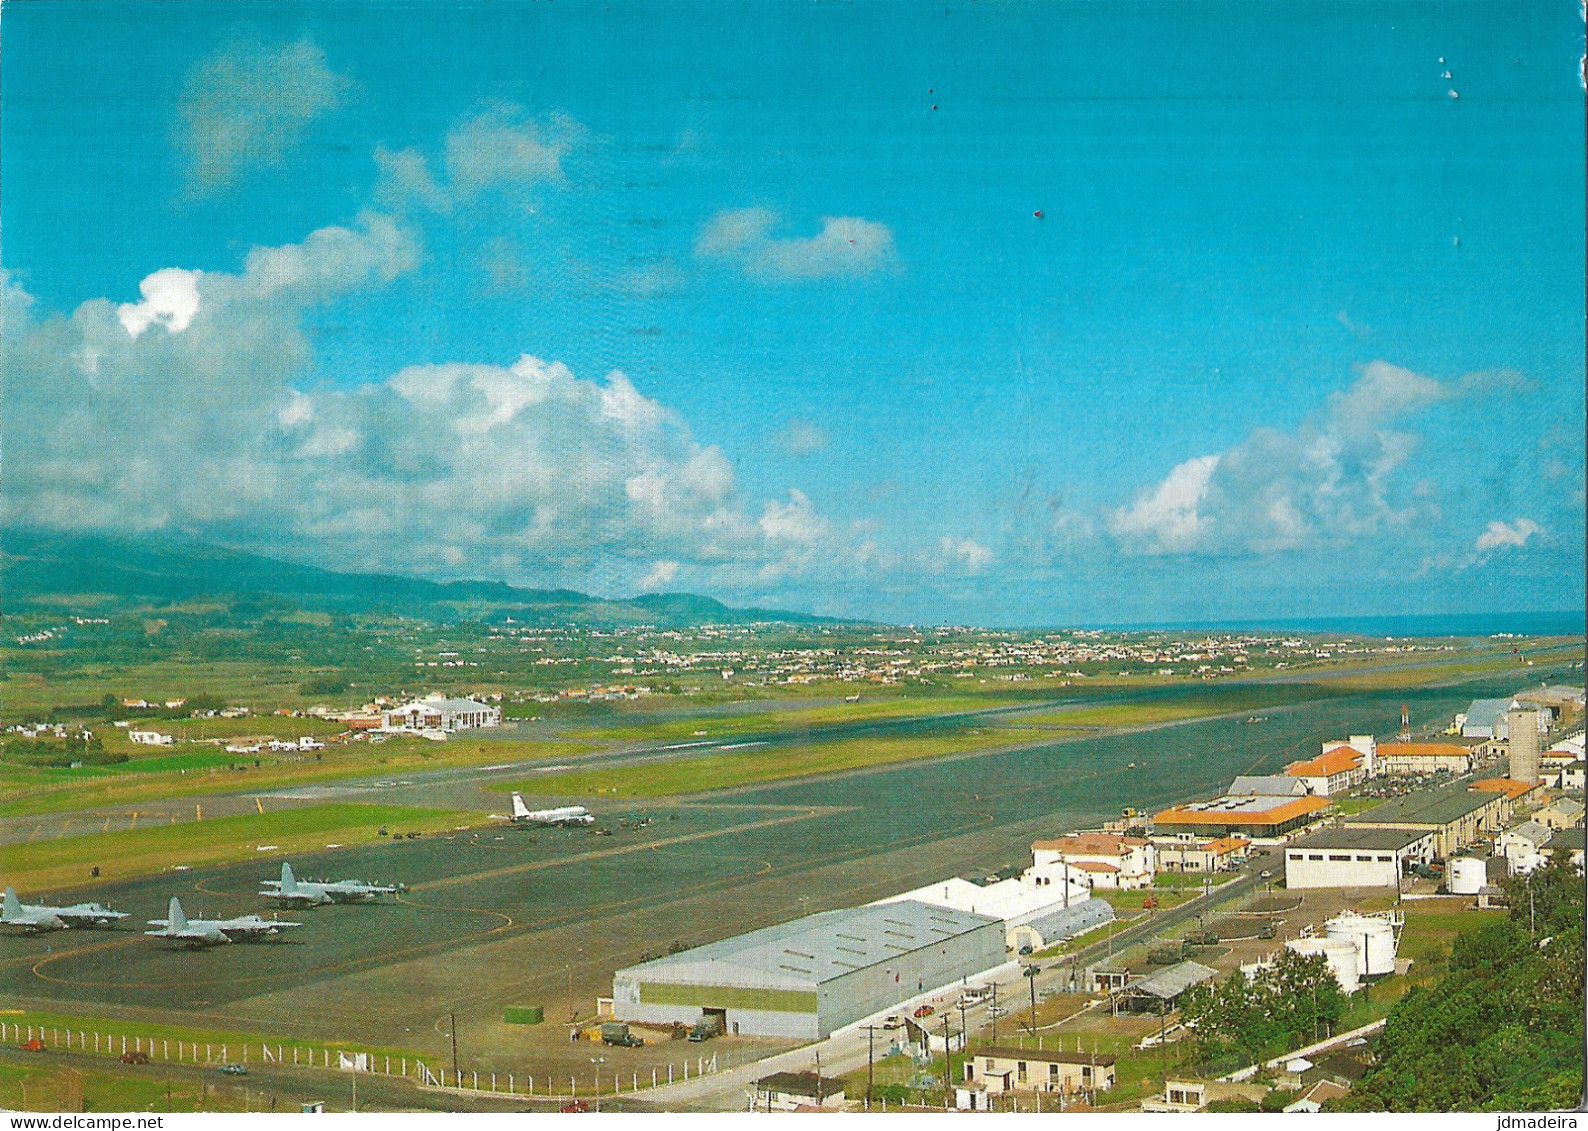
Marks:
<point>704,1030</point>
<point>617,1033</point>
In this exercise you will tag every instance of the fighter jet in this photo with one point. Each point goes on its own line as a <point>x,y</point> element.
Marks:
<point>523,815</point>
<point>213,932</point>
<point>39,917</point>
<point>310,893</point>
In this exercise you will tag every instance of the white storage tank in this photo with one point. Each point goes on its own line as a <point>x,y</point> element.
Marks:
<point>1339,954</point>
<point>1466,875</point>
<point>1373,938</point>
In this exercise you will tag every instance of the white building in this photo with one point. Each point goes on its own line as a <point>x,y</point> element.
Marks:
<point>1356,857</point>
<point>1040,893</point>
<point>150,738</point>
<point>1340,766</point>
<point>437,712</point>
<point>1110,861</point>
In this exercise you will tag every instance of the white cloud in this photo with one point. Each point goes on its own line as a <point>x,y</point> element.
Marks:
<point>1329,481</point>
<point>963,555</point>
<point>1502,536</point>
<point>502,147</point>
<point>1168,516</point>
<point>170,297</point>
<point>845,246</point>
<point>249,105</point>
<point>802,438</point>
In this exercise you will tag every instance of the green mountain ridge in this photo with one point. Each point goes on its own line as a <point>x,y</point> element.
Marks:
<point>37,564</point>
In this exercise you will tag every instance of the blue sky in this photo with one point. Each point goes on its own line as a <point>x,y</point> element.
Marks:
<point>998,313</point>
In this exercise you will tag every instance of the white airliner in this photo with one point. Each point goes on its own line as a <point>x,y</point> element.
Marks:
<point>290,889</point>
<point>523,815</point>
<point>213,932</point>
<point>42,917</point>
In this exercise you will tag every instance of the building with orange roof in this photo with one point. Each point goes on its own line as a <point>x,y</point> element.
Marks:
<point>1186,852</point>
<point>1332,772</point>
<point>1251,815</point>
<point>1513,789</point>
<point>1109,859</point>
<point>1424,758</point>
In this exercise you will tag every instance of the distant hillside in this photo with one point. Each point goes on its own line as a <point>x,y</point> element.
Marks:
<point>38,564</point>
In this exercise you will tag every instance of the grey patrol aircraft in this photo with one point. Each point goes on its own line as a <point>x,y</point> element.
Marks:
<point>311,893</point>
<point>35,917</point>
<point>178,928</point>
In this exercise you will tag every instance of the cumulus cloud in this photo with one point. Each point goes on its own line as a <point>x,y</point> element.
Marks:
<point>205,423</point>
<point>170,297</point>
<point>249,106</point>
<point>845,246</point>
<point>501,149</point>
<point>1332,479</point>
<point>963,556</point>
<point>1504,536</point>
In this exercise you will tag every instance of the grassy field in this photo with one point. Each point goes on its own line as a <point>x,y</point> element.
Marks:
<point>724,771</point>
<point>47,1087</point>
<point>234,1041</point>
<point>137,852</point>
<point>197,773</point>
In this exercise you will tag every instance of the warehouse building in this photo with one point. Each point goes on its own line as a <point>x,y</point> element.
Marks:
<point>806,978</point>
<point>1356,858</point>
<point>1455,815</point>
<point>1255,815</point>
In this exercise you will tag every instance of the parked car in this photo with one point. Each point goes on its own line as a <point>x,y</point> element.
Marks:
<point>1031,971</point>
<point>1265,874</point>
<point>893,1021</point>
<point>1025,950</point>
<point>234,1070</point>
<point>35,1045</point>
<point>134,1058</point>
<point>924,1011</point>
<point>574,1105</point>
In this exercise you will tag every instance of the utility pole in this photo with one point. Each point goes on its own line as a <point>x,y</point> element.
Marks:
<point>994,1012</point>
<point>1031,978</point>
<point>871,1033</point>
<point>454,1017</point>
<point>948,1069</point>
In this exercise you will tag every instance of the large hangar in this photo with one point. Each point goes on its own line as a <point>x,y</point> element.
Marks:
<point>810,976</point>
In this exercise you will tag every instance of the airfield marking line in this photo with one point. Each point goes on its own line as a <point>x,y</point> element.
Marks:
<point>106,828</point>
<point>37,829</point>
<point>259,804</point>
<point>808,813</point>
<point>134,821</point>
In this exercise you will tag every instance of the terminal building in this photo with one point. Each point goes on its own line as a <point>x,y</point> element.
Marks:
<point>805,978</point>
<point>1254,815</point>
<point>439,713</point>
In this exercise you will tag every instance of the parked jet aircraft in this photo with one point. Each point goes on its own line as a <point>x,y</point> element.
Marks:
<point>213,932</point>
<point>568,815</point>
<point>41,917</point>
<point>290,889</point>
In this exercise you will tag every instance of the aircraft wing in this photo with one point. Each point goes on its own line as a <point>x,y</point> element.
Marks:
<point>89,916</point>
<point>252,928</point>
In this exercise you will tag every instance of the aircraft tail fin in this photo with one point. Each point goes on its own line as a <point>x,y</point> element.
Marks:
<point>176,922</point>
<point>13,905</point>
<point>520,810</point>
<point>289,882</point>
